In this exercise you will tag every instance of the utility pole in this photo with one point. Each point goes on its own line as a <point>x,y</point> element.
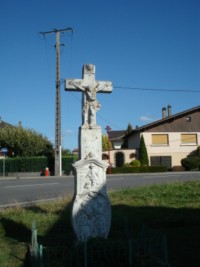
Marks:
<point>58,146</point>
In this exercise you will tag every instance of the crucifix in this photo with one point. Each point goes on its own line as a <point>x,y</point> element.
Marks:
<point>89,87</point>
<point>91,211</point>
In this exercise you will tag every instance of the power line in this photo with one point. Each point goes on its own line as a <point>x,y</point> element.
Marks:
<point>157,89</point>
<point>109,122</point>
<point>142,89</point>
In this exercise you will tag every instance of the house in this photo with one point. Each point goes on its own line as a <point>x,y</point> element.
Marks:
<point>169,139</point>
<point>116,138</point>
<point>118,155</point>
<point>4,124</point>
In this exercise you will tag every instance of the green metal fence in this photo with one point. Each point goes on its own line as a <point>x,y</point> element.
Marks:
<point>147,249</point>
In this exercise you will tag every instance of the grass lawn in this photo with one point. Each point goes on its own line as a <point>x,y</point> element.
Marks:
<point>172,209</point>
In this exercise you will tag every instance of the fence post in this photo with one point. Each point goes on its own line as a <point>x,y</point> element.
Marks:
<point>130,253</point>
<point>126,228</point>
<point>165,249</point>
<point>36,250</point>
<point>41,255</point>
<point>85,254</point>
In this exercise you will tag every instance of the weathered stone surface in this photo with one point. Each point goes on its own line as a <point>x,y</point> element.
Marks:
<point>90,143</point>
<point>91,212</point>
<point>89,87</point>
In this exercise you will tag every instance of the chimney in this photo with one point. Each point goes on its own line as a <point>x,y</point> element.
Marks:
<point>163,113</point>
<point>169,108</point>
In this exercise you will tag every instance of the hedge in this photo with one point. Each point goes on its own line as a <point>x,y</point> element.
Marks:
<point>38,164</point>
<point>191,163</point>
<point>35,164</point>
<point>141,169</point>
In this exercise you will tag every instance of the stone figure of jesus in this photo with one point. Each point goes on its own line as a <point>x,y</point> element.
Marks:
<point>89,86</point>
<point>90,104</point>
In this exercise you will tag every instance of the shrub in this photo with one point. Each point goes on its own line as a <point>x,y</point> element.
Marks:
<point>23,164</point>
<point>198,151</point>
<point>141,169</point>
<point>35,164</point>
<point>67,164</point>
<point>135,163</point>
<point>143,156</point>
<point>191,163</point>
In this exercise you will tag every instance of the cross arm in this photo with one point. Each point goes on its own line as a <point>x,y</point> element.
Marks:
<point>73,85</point>
<point>104,87</point>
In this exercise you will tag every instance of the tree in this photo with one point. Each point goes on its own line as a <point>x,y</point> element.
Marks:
<point>143,156</point>
<point>66,152</point>
<point>192,161</point>
<point>24,142</point>
<point>105,143</point>
<point>128,130</point>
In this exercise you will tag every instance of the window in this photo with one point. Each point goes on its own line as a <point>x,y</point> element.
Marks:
<point>188,119</point>
<point>105,156</point>
<point>132,155</point>
<point>160,139</point>
<point>188,139</point>
<point>161,161</point>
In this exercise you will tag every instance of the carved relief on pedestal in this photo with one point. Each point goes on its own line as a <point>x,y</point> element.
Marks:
<point>91,211</point>
<point>91,215</point>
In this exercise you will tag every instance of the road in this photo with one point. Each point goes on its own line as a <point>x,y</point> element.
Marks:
<point>26,191</point>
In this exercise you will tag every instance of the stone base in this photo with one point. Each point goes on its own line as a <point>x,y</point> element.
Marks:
<point>91,215</point>
<point>91,212</point>
<point>91,142</point>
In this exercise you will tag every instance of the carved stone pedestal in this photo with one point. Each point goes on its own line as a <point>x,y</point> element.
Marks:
<point>91,212</point>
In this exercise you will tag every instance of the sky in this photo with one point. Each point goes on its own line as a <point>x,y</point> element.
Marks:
<point>149,49</point>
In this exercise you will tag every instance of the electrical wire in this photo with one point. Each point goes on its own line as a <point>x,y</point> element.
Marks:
<point>157,90</point>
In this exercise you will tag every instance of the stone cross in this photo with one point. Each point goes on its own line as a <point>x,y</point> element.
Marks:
<point>89,87</point>
<point>91,211</point>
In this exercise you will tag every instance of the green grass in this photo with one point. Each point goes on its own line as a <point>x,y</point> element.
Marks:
<point>172,209</point>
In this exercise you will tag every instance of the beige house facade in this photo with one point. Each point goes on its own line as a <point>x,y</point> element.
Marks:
<point>170,139</point>
<point>119,157</point>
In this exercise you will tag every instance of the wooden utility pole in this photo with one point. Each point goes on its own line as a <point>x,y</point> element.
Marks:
<point>58,146</point>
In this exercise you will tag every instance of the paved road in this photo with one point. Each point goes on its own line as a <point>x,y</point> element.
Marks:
<point>31,190</point>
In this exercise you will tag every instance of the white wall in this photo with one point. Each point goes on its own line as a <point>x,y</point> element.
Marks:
<point>175,149</point>
<point>127,153</point>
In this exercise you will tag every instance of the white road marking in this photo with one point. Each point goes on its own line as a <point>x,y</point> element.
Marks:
<point>31,185</point>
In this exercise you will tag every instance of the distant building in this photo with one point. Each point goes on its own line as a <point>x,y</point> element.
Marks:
<point>169,139</point>
<point>116,138</point>
<point>75,151</point>
<point>118,154</point>
<point>4,124</point>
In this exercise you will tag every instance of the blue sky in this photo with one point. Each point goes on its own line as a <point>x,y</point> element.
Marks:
<point>144,44</point>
